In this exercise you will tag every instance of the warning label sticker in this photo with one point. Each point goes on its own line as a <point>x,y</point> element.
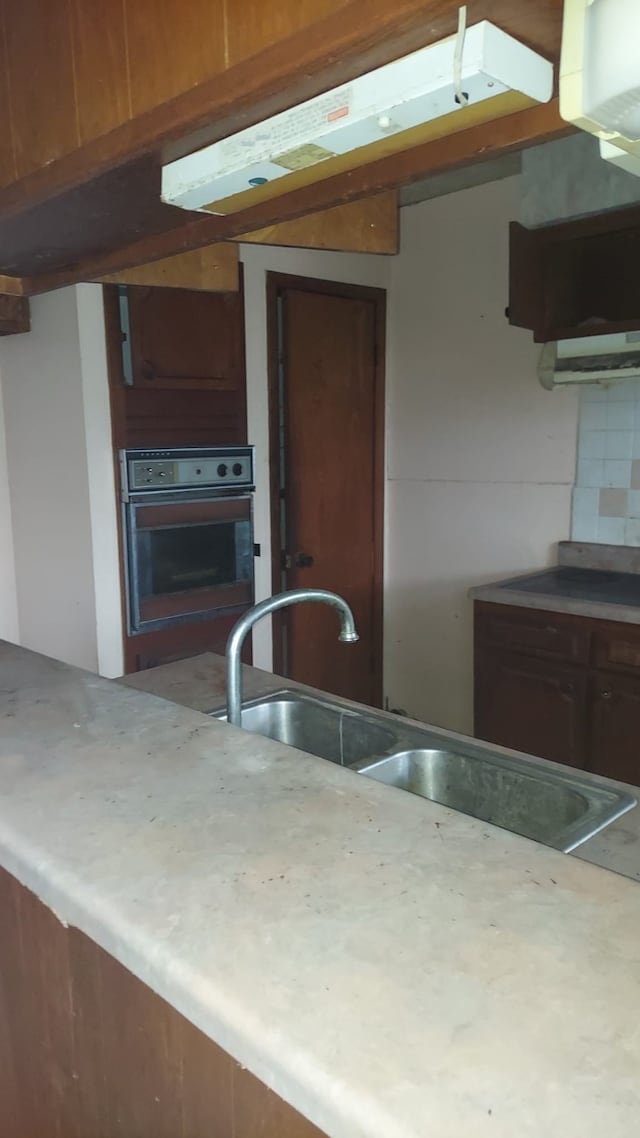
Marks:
<point>303,156</point>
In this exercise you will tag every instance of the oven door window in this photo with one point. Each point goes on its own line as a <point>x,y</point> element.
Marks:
<point>181,558</point>
<point>185,564</point>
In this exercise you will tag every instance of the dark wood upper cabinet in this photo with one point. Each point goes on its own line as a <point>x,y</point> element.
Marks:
<point>183,339</point>
<point>186,385</point>
<point>577,278</point>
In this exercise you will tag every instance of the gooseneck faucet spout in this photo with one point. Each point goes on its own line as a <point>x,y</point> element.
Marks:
<point>239,631</point>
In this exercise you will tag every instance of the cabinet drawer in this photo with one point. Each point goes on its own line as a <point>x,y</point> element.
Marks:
<point>533,632</point>
<point>617,646</point>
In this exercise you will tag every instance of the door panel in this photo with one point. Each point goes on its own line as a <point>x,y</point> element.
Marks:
<point>331,490</point>
<point>614,737</point>
<point>532,706</point>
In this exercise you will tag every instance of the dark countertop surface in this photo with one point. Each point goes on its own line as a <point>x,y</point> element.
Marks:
<point>596,585</point>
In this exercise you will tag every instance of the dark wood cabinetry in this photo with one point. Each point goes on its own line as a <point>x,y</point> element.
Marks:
<point>576,278</point>
<point>564,687</point>
<point>186,384</point>
<point>179,382</point>
<point>532,706</point>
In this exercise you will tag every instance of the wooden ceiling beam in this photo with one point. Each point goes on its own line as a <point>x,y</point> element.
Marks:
<point>213,268</point>
<point>322,55</point>
<point>369,225</point>
<point>488,140</point>
<point>12,286</point>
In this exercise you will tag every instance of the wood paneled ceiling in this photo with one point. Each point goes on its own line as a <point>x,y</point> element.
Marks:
<point>85,200</point>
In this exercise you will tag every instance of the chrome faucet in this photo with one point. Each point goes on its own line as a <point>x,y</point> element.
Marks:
<point>348,635</point>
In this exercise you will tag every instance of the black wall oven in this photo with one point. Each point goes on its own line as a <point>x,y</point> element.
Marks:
<point>188,529</point>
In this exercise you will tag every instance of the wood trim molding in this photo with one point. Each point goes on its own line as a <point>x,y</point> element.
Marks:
<point>15,316</point>
<point>378,297</point>
<point>213,268</point>
<point>12,286</point>
<point>369,225</point>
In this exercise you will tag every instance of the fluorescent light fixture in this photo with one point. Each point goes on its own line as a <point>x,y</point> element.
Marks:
<point>600,75</point>
<point>479,74</point>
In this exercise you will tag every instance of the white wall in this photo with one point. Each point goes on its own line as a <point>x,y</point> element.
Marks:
<point>258,260</point>
<point>56,405</point>
<point>480,459</point>
<point>8,599</point>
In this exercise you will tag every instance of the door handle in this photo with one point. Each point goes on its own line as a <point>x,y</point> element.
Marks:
<point>303,560</point>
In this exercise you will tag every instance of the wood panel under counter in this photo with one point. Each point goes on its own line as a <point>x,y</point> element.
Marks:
<point>561,686</point>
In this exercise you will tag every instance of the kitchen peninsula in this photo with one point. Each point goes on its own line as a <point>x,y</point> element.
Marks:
<point>388,967</point>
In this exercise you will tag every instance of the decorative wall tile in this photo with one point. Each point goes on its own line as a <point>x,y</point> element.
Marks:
<point>617,472</point>
<point>593,416</point>
<point>591,472</point>
<point>618,444</point>
<point>613,503</point>
<point>592,444</point>
<point>632,531</point>
<point>584,529</point>
<point>634,503</point>
<point>606,497</point>
<point>620,416</point>
<point>586,502</point>
<point>612,531</point>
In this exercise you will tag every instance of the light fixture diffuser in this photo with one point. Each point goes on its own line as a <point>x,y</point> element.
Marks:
<point>480,74</point>
<point>600,75</point>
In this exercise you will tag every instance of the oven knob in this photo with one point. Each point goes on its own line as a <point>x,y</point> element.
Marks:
<point>222,470</point>
<point>237,469</point>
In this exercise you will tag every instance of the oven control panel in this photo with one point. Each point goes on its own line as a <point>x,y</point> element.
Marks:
<point>152,473</point>
<point>214,468</point>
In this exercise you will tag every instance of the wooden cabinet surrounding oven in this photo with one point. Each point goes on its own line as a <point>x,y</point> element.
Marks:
<point>563,687</point>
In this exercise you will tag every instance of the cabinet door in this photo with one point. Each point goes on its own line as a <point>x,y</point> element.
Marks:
<point>184,340</point>
<point>614,716</point>
<point>531,705</point>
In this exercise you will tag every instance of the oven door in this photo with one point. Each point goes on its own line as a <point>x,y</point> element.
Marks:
<point>187,560</point>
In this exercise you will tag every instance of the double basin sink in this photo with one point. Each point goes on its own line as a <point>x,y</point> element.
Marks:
<point>549,804</point>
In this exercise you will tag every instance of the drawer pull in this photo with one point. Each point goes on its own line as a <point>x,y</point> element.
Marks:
<point>605,695</point>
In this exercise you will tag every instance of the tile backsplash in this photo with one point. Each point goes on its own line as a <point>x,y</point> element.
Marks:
<point>606,496</point>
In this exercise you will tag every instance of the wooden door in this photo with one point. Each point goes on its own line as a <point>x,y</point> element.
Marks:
<point>329,490</point>
<point>614,736</point>
<point>531,705</point>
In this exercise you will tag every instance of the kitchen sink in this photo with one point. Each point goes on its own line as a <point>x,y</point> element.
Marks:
<point>556,808</point>
<point>320,727</point>
<point>549,803</point>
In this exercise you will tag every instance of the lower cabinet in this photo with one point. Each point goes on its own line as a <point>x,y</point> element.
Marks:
<point>566,688</point>
<point>88,1051</point>
<point>614,726</point>
<point>531,706</point>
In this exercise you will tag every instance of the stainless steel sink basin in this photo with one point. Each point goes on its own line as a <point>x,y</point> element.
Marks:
<point>544,801</point>
<point>320,727</point>
<point>556,808</point>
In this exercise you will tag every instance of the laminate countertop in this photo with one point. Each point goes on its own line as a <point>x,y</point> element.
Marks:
<point>391,968</point>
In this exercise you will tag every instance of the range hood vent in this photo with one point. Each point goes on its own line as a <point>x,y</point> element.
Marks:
<point>592,359</point>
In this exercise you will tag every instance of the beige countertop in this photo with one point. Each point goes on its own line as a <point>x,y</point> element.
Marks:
<point>391,968</point>
<point>200,683</point>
